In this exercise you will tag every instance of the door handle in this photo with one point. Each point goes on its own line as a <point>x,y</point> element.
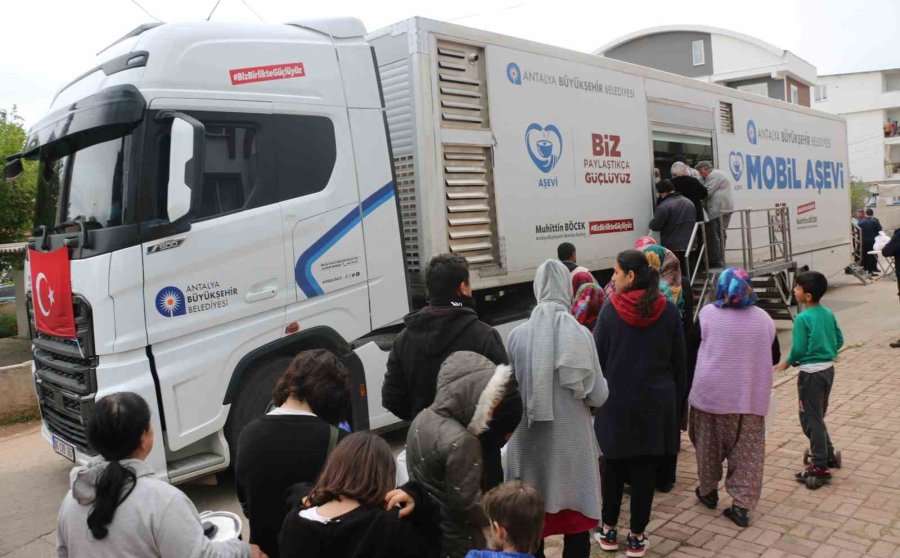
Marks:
<point>261,292</point>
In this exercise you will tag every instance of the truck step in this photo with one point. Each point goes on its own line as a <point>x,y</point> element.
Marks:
<point>185,469</point>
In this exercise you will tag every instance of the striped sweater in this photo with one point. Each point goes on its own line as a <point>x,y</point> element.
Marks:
<point>734,364</point>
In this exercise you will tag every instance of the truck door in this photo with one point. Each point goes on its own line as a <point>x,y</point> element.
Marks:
<point>217,291</point>
<point>324,252</point>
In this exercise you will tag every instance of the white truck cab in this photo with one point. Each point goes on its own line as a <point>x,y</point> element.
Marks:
<point>219,187</point>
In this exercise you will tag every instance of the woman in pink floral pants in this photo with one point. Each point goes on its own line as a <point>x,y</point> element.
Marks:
<point>732,349</point>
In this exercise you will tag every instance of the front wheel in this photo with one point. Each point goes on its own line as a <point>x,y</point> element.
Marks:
<point>252,399</point>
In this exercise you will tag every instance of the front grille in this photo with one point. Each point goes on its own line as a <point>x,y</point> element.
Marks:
<point>66,376</point>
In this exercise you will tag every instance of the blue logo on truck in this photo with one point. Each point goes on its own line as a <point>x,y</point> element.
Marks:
<point>736,164</point>
<point>170,302</point>
<point>751,132</point>
<point>514,74</point>
<point>544,145</point>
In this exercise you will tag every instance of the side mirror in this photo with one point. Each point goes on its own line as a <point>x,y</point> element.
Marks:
<point>186,151</point>
<point>13,169</point>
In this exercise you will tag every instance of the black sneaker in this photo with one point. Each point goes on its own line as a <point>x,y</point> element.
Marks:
<point>895,344</point>
<point>711,500</point>
<point>608,540</point>
<point>637,547</point>
<point>740,516</point>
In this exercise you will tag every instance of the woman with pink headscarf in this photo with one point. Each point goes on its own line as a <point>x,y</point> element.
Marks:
<point>587,300</point>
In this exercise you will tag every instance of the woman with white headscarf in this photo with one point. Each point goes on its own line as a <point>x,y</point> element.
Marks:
<point>554,448</point>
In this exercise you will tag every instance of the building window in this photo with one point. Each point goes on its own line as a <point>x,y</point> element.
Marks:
<point>795,95</point>
<point>698,53</point>
<point>756,88</point>
<point>821,93</point>
<point>891,81</point>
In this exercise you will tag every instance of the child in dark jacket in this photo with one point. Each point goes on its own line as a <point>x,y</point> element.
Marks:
<point>444,450</point>
<point>516,513</point>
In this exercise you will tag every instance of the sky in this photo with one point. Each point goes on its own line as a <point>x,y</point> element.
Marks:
<point>46,43</point>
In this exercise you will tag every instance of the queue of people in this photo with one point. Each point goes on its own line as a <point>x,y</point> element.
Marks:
<point>693,195</point>
<point>592,395</point>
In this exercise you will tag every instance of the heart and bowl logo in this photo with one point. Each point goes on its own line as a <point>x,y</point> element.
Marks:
<point>544,145</point>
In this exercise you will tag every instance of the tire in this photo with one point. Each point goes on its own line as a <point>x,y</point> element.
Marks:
<point>252,399</point>
<point>812,483</point>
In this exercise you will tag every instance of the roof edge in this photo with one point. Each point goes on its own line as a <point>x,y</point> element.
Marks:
<point>688,28</point>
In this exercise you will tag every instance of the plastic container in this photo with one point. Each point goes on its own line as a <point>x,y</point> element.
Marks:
<point>221,525</point>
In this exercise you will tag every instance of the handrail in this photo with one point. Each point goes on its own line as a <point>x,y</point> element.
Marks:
<point>777,223</point>
<point>702,252</point>
<point>774,247</point>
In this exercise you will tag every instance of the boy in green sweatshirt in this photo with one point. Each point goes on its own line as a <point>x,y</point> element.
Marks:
<point>816,341</point>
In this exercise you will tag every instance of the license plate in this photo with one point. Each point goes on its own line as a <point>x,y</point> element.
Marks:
<point>63,448</point>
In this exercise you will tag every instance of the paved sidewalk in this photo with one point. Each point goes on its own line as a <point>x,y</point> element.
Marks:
<point>858,514</point>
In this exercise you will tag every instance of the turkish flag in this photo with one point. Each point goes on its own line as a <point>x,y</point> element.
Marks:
<point>51,292</point>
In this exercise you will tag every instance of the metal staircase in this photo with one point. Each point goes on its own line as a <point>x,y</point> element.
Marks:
<point>758,240</point>
<point>856,268</point>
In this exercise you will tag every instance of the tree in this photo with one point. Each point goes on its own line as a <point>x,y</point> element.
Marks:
<point>17,196</point>
<point>859,194</point>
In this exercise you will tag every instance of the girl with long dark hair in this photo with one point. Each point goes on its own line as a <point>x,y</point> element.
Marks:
<point>117,507</point>
<point>640,343</point>
<point>343,514</point>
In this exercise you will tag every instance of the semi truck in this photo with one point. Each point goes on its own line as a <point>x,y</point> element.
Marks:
<point>229,194</point>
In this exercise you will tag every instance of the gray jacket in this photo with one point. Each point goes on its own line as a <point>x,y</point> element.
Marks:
<point>674,217</point>
<point>156,520</point>
<point>720,194</point>
<point>443,452</point>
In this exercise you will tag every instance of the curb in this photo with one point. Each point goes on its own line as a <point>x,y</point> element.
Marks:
<point>11,366</point>
<point>17,387</point>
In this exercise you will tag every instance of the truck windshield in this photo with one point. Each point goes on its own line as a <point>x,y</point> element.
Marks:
<point>84,185</point>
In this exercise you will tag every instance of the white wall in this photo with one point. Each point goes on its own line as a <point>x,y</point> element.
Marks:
<point>734,55</point>
<point>865,142</point>
<point>856,92</point>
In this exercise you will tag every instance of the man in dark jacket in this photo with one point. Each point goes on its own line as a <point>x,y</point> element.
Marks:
<point>566,254</point>
<point>689,187</point>
<point>892,249</point>
<point>446,325</point>
<point>870,227</point>
<point>674,217</point>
